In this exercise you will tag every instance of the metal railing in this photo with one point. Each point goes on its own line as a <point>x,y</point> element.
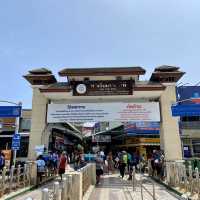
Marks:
<point>180,177</point>
<point>143,188</point>
<point>14,178</point>
<point>184,178</point>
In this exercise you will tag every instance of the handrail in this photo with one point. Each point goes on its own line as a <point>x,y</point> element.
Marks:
<point>143,187</point>
<point>134,183</point>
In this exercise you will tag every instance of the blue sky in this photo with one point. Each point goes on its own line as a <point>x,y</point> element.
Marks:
<point>95,33</point>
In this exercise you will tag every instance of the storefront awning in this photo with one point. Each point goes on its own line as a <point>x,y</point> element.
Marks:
<point>185,110</point>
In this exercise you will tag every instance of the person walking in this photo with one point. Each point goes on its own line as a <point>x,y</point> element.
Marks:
<point>123,163</point>
<point>62,164</point>
<point>2,161</point>
<point>110,162</point>
<point>41,166</point>
<point>99,167</point>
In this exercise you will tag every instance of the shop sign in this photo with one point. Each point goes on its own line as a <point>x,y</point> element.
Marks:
<point>140,128</point>
<point>101,138</point>
<point>185,110</point>
<point>142,140</point>
<point>87,131</point>
<point>16,141</point>
<point>7,154</point>
<point>102,112</point>
<point>10,111</point>
<point>102,88</point>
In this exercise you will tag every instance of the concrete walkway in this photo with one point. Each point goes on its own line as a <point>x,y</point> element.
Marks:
<point>113,187</point>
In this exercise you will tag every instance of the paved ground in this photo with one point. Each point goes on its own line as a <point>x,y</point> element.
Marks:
<point>114,188</point>
<point>36,194</point>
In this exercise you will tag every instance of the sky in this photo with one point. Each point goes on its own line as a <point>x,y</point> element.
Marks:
<point>95,33</point>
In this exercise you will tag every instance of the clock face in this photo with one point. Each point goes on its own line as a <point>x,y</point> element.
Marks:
<point>81,88</point>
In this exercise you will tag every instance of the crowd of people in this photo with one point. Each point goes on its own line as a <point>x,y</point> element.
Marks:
<point>124,162</point>
<point>57,162</point>
<point>157,163</point>
<point>52,161</point>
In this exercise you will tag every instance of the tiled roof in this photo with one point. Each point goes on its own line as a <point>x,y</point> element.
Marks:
<point>57,87</point>
<point>102,71</point>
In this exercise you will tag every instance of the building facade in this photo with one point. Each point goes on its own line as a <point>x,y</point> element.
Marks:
<point>117,90</point>
<point>188,98</point>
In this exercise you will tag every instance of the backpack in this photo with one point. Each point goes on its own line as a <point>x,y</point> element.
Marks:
<point>125,158</point>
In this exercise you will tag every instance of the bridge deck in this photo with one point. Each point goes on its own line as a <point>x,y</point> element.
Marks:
<point>113,187</point>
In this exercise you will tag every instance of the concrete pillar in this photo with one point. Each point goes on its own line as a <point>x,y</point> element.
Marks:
<point>169,133</point>
<point>38,124</point>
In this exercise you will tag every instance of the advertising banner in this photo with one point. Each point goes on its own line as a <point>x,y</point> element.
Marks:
<point>7,154</point>
<point>188,94</point>
<point>139,128</point>
<point>101,112</point>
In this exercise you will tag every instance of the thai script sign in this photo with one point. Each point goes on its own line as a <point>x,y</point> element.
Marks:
<point>102,112</point>
<point>102,88</point>
<point>101,138</point>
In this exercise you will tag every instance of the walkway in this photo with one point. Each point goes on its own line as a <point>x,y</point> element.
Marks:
<point>114,188</point>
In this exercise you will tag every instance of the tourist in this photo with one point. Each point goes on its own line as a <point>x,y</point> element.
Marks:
<point>142,163</point>
<point>99,167</point>
<point>62,164</point>
<point>129,161</point>
<point>2,161</point>
<point>41,166</point>
<point>55,160</point>
<point>123,163</point>
<point>110,162</point>
<point>116,165</point>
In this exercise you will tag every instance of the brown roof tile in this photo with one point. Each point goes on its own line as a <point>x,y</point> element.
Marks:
<point>102,71</point>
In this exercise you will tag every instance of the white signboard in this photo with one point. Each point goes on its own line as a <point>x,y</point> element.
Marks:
<point>101,112</point>
<point>39,149</point>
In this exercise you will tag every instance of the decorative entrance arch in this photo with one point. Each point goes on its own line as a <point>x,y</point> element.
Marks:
<point>108,85</point>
